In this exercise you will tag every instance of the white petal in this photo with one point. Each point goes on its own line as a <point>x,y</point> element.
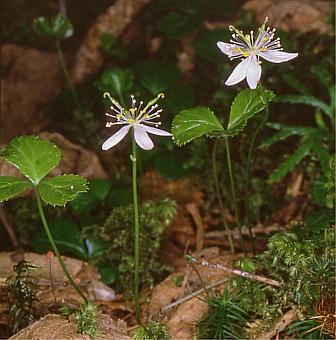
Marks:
<point>253,73</point>
<point>228,49</point>
<point>277,56</point>
<point>239,73</point>
<point>142,138</point>
<point>116,138</point>
<point>155,131</point>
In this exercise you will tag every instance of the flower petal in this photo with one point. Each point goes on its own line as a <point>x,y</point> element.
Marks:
<point>277,56</point>
<point>229,49</point>
<point>142,138</point>
<point>253,73</point>
<point>116,138</point>
<point>240,72</point>
<point>156,131</point>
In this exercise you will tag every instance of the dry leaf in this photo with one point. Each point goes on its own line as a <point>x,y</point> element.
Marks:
<point>30,80</point>
<point>292,15</point>
<point>114,20</point>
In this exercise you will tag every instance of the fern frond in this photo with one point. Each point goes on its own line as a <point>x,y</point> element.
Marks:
<point>291,161</point>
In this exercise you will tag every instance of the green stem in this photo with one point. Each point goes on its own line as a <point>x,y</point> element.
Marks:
<point>219,196</point>
<point>54,247</point>
<point>249,161</point>
<point>233,191</point>
<point>67,76</point>
<point>136,230</point>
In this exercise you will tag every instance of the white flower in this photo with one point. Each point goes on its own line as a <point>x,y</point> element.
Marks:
<point>251,48</point>
<point>135,118</point>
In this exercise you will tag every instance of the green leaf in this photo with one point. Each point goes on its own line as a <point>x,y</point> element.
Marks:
<point>61,189</point>
<point>33,156</point>
<point>193,123</point>
<point>170,165</point>
<point>206,45</point>
<point>116,81</point>
<point>320,220</point>
<point>119,198</point>
<point>86,201</point>
<point>42,26</point>
<point>246,104</point>
<point>108,42</point>
<point>175,25</point>
<point>11,186</point>
<point>96,247</point>
<point>59,27</point>
<point>179,97</point>
<point>157,76</point>
<point>285,132</point>
<point>308,100</point>
<point>291,161</point>
<point>67,237</point>
<point>319,191</point>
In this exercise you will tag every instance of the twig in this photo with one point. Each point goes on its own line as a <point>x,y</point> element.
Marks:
<point>8,225</point>
<point>237,272</point>
<point>197,292</point>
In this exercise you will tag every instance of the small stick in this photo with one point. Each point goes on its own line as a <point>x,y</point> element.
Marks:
<point>235,271</point>
<point>8,225</point>
<point>197,292</point>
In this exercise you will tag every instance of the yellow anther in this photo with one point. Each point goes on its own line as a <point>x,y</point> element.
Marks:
<point>246,54</point>
<point>106,94</point>
<point>132,110</point>
<point>236,49</point>
<point>146,115</point>
<point>131,121</point>
<point>247,36</point>
<point>161,95</point>
<point>118,115</point>
<point>263,48</point>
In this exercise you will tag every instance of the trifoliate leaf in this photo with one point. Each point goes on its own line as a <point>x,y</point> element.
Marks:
<point>33,156</point>
<point>58,28</point>
<point>11,186</point>
<point>246,104</point>
<point>193,123</point>
<point>61,189</point>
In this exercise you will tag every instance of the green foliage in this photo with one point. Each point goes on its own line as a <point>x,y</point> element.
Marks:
<point>193,123</point>
<point>35,158</point>
<point>58,28</point>
<point>175,25</point>
<point>67,238</point>
<point>11,186</point>
<point>116,81</point>
<point>108,45</point>
<point>22,294</point>
<point>153,330</point>
<point>225,317</point>
<point>246,104</point>
<point>118,230</point>
<point>170,165</point>
<point>304,266</point>
<point>87,320</point>
<point>157,76</point>
<point>303,330</point>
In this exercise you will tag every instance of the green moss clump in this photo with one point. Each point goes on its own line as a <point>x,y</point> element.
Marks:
<point>119,229</point>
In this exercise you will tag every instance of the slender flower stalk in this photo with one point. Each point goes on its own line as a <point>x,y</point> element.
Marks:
<point>67,77</point>
<point>233,191</point>
<point>248,164</point>
<point>140,119</point>
<point>219,196</point>
<point>251,48</point>
<point>54,247</point>
<point>136,230</point>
